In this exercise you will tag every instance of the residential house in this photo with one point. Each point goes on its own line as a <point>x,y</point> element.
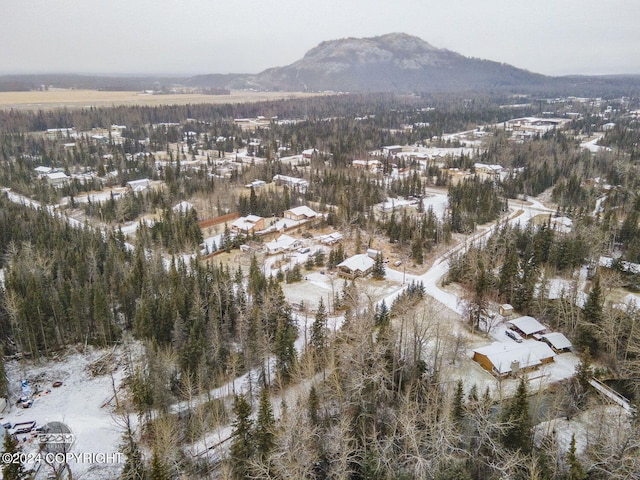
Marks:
<point>57,179</point>
<point>248,225</point>
<point>256,184</point>
<point>372,165</point>
<point>502,359</point>
<point>356,266</point>
<point>137,186</point>
<point>284,243</point>
<point>294,182</point>
<point>300,213</point>
<point>493,170</point>
<point>391,150</point>
<point>42,170</point>
<point>506,310</point>
<point>331,238</point>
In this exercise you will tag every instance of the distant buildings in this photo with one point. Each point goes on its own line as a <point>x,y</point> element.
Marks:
<point>137,186</point>
<point>294,182</point>
<point>300,213</point>
<point>284,243</point>
<point>248,225</point>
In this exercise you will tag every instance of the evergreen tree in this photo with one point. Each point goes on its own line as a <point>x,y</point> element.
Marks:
<point>284,348</point>
<point>378,271</point>
<point>253,202</point>
<point>158,470</point>
<point>358,241</point>
<point>318,340</point>
<point>313,406</point>
<point>509,274</point>
<point>382,315</point>
<point>242,444</point>
<point>576,470</point>
<point>134,466</point>
<point>457,408</point>
<point>13,470</point>
<point>416,252</point>
<point>265,425</point>
<point>586,336</point>
<point>517,435</point>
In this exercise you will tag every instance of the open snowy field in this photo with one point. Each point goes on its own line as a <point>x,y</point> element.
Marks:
<point>57,98</point>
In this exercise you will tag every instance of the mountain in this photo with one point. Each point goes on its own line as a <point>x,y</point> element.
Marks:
<point>395,62</point>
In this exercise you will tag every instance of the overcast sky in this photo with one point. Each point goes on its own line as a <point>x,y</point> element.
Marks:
<point>185,37</point>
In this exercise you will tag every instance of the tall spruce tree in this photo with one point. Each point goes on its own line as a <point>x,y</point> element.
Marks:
<point>378,271</point>
<point>517,434</point>
<point>242,442</point>
<point>265,425</point>
<point>576,470</point>
<point>318,340</point>
<point>591,318</point>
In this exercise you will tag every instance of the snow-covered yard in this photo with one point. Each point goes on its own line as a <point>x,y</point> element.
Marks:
<point>84,402</point>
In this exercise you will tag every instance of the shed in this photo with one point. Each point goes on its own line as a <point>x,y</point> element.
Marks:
<point>506,310</point>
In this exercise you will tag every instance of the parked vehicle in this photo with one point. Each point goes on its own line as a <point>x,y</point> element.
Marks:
<point>513,335</point>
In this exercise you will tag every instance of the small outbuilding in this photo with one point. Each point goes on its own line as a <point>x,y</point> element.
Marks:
<point>506,310</point>
<point>526,326</point>
<point>557,341</point>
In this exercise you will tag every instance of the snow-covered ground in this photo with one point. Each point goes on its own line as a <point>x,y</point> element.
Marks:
<point>85,403</point>
<point>592,145</point>
<point>589,427</point>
